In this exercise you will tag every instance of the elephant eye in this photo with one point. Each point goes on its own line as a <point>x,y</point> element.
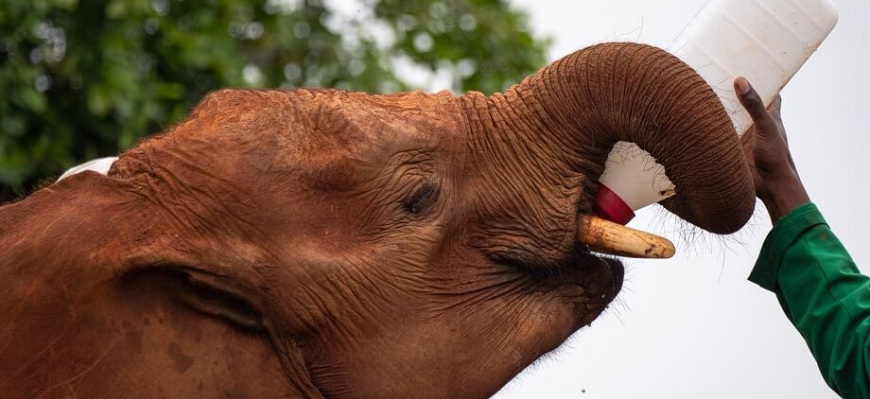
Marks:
<point>421,198</point>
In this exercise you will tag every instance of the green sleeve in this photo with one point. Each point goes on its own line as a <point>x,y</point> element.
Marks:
<point>823,294</point>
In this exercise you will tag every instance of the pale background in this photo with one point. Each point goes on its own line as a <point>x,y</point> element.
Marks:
<point>693,326</point>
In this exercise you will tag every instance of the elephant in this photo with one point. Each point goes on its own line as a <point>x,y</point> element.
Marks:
<point>318,243</point>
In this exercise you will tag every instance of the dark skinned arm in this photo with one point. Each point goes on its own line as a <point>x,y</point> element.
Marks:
<point>777,182</point>
<point>802,261</point>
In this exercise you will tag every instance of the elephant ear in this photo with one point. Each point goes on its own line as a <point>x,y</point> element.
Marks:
<point>590,100</point>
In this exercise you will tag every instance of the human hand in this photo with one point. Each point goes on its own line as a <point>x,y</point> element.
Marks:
<point>765,146</point>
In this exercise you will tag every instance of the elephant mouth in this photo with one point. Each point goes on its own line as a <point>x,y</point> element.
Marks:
<point>586,279</point>
<point>598,281</point>
<point>601,277</point>
<point>588,283</point>
<point>617,276</point>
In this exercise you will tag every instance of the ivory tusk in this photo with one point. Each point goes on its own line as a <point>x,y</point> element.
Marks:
<point>615,239</point>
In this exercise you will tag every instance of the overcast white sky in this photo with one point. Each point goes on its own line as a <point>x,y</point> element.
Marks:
<point>693,326</point>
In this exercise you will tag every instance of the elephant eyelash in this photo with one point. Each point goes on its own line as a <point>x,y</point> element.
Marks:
<point>423,197</point>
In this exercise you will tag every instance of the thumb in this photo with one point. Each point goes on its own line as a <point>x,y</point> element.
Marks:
<point>753,103</point>
<point>747,142</point>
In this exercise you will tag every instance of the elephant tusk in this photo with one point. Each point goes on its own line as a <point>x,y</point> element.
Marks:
<point>615,239</point>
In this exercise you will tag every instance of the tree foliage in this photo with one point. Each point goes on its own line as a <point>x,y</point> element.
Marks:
<point>88,78</point>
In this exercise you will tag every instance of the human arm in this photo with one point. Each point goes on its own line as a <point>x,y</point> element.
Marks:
<point>777,182</point>
<point>802,261</point>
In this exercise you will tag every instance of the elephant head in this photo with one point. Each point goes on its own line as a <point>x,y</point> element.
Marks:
<point>326,244</point>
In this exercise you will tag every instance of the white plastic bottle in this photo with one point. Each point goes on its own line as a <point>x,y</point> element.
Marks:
<point>766,41</point>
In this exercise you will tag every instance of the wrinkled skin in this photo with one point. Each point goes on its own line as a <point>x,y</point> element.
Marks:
<point>317,243</point>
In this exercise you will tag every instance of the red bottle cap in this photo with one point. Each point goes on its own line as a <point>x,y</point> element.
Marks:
<point>609,206</point>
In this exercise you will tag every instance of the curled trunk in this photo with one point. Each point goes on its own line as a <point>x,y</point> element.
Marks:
<point>581,105</point>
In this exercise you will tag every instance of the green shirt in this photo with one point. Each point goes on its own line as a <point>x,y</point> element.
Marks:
<point>823,294</point>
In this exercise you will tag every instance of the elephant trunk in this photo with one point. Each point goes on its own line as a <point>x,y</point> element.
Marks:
<point>581,105</point>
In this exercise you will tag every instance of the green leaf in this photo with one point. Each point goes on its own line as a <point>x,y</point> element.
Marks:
<point>98,101</point>
<point>32,100</point>
<point>13,126</point>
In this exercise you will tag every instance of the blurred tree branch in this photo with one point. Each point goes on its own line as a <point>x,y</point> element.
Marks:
<point>88,78</point>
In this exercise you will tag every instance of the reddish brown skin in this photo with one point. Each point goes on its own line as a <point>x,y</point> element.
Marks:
<point>362,246</point>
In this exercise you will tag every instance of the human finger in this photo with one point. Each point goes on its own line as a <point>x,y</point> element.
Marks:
<point>753,104</point>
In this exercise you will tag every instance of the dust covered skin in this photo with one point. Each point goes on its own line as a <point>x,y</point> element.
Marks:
<point>325,244</point>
